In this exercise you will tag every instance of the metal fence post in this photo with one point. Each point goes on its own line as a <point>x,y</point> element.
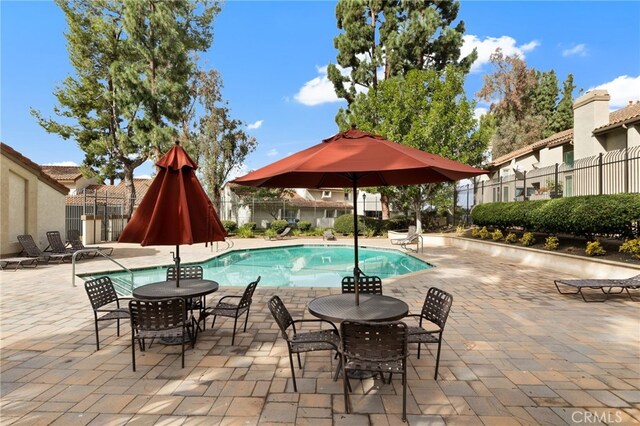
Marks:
<point>466,216</point>
<point>524,186</point>
<point>500,190</point>
<point>555,180</point>
<point>481,193</point>
<point>626,169</point>
<point>455,201</point>
<point>600,177</point>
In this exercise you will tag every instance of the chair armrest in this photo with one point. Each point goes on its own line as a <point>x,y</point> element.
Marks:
<point>316,320</point>
<point>229,297</point>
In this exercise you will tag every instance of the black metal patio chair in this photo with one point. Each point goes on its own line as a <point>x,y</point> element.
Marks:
<point>105,303</point>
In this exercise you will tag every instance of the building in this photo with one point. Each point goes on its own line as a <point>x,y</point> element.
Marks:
<point>31,201</point>
<point>69,176</point>
<point>600,155</point>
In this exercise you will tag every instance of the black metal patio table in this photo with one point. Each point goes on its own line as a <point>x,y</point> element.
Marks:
<point>372,307</point>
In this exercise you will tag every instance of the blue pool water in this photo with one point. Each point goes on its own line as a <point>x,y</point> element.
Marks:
<point>303,265</point>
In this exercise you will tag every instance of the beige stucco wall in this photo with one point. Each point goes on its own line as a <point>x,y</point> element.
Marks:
<point>590,111</point>
<point>550,156</point>
<point>633,135</point>
<point>27,205</point>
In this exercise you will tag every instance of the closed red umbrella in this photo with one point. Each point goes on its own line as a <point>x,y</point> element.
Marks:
<point>357,159</point>
<point>175,210</point>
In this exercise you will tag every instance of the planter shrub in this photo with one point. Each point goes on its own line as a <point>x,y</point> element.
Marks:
<point>527,239</point>
<point>631,247</point>
<point>551,243</point>
<point>511,238</point>
<point>304,226</point>
<point>279,225</point>
<point>594,248</point>
<point>229,225</point>
<point>344,224</point>
<point>496,235</point>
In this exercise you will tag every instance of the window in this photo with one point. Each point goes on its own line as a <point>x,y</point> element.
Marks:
<point>505,194</point>
<point>568,186</point>
<point>326,194</point>
<point>567,158</point>
<point>346,196</point>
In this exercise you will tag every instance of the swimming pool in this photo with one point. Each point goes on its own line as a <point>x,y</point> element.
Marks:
<point>291,266</point>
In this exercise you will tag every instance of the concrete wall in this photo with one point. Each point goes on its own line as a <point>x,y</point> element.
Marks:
<point>590,111</point>
<point>27,205</point>
<point>633,136</point>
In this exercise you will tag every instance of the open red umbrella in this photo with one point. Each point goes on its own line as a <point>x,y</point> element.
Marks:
<point>357,159</point>
<point>175,210</point>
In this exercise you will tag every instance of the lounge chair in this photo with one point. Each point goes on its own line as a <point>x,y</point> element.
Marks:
<point>600,284</point>
<point>328,235</point>
<point>412,238</point>
<point>18,262</point>
<point>281,236</point>
<point>30,248</point>
<point>73,236</point>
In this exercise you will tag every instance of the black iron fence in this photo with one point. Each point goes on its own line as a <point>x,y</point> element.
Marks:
<point>103,214</point>
<point>613,172</point>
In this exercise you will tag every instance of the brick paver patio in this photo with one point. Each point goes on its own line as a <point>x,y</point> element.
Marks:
<point>515,352</point>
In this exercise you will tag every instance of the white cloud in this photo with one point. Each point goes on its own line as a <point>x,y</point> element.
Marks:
<point>479,112</point>
<point>255,125</point>
<point>622,89</point>
<point>238,171</point>
<point>577,50</point>
<point>489,45</point>
<point>272,153</point>
<point>143,176</point>
<point>63,163</point>
<point>318,90</point>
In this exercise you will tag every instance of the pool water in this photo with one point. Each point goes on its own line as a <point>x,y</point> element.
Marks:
<point>291,266</point>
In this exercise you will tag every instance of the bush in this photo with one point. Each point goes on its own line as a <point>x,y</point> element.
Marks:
<point>511,238</point>
<point>484,233</point>
<point>475,232</point>
<point>269,233</point>
<point>594,248</point>
<point>279,225</point>
<point>395,224</point>
<point>229,225</point>
<point>496,235</point>
<point>245,232</point>
<point>631,247</point>
<point>461,230</point>
<point>551,243</point>
<point>303,225</point>
<point>249,225</point>
<point>527,239</point>
<point>344,224</point>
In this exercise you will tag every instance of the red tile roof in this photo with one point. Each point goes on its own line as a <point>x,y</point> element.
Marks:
<point>62,172</point>
<point>629,114</point>
<point>553,140</point>
<point>114,194</point>
<point>33,167</point>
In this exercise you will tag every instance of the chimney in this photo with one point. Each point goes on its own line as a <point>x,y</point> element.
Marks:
<point>590,111</point>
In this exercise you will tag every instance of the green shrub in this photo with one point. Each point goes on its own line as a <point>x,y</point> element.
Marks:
<point>475,232</point>
<point>395,224</point>
<point>484,233</point>
<point>245,232</point>
<point>304,225</point>
<point>229,225</point>
<point>460,230</point>
<point>279,225</point>
<point>511,238</point>
<point>631,247</point>
<point>496,235</point>
<point>527,239</point>
<point>594,248</point>
<point>344,224</point>
<point>249,225</point>
<point>551,243</point>
<point>270,233</point>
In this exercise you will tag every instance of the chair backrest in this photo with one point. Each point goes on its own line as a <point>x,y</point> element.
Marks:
<point>437,305</point>
<point>100,291</point>
<point>374,341</point>
<point>247,296</point>
<point>411,230</point>
<point>158,314</point>
<point>29,246</point>
<point>369,284</point>
<point>190,272</point>
<point>284,232</point>
<point>55,242</point>
<point>73,236</point>
<point>280,314</point>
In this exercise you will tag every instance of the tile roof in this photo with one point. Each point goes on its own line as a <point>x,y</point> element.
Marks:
<point>33,167</point>
<point>629,114</point>
<point>62,172</point>
<point>553,140</point>
<point>114,194</point>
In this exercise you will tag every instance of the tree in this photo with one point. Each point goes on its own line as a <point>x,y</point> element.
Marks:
<point>543,99</point>
<point>563,117</point>
<point>269,198</point>
<point>392,37</point>
<point>426,110</point>
<point>220,141</point>
<point>121,105</point>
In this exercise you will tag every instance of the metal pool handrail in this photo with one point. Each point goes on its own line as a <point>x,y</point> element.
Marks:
<point>73,264</point>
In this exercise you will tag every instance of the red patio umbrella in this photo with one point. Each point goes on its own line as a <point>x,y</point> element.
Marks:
<point>175,210</point>
<point>357,159</point>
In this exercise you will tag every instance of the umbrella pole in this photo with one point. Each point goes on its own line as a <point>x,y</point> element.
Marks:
<point>356,270</point>
<point>177,260</point>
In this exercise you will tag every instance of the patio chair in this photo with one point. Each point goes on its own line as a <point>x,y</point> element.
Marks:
<point>231,310</point>
<point>105,303</point>
<point>283,235</point>
<point>299,342</point>
<point>73,236</point>
<point>368,284</point>
<point>189,272</point>
<point>623,284</point>
<point>18,262</point>
<point>328,235</point>
<point>380,347</point>
<point>412,238</point>
<point>161,318</point>
<point>431,321</point>
<point>30,248</point>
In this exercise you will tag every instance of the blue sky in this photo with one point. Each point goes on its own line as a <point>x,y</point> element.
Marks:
<point>272,56</point>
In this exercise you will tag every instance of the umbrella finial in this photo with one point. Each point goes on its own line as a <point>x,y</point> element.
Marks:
<point>353,126</point>
<point>177,142</point>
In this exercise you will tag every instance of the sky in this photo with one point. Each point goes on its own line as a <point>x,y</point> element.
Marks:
<point>272,56</point>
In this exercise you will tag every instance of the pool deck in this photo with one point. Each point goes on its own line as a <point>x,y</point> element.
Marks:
<point>515,352</point>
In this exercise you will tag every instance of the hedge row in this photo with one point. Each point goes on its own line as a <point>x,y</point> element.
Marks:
<point>587,216</point>
<point>344,224</point>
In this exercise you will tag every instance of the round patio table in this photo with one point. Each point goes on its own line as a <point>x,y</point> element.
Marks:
<point>373,307</point>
